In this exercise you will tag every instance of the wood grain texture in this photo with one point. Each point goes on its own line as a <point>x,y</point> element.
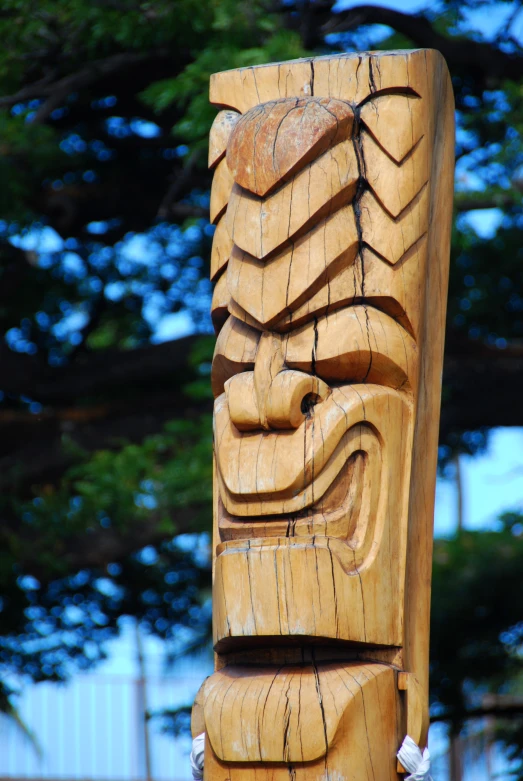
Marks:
<point>392,237</point>
<point>332,198</point>
<point>222,246</point>
<point>395,122</point>
<point>197,714</point>
<point>269,290</point>
<point>244,88</point>
<point>219,135</point>
<point>220,191</point>
<point>261,226</point>
<point>417,716</point>
<point>356,344</point>
<point>394,185</point>
<point>367,280</point>
<point>422,483</point>
<point>235,352</point>
<point>303,722</point>
<point>220,304</point>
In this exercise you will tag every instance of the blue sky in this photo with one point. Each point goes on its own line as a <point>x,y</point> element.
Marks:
<point>492,483</point>
<point>485,22</point>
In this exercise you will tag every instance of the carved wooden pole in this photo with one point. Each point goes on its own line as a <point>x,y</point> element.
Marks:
<point>332,197</point>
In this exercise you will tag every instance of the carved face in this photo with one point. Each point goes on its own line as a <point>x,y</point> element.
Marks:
<point>316,365</point>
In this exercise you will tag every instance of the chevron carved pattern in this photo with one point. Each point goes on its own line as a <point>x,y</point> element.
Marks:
<point>301,187</point>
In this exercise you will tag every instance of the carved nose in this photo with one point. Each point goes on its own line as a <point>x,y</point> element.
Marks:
<point>272,396</point>
<point>289,400</point>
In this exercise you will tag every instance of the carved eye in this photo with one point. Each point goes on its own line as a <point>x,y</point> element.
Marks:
<point>274,140</point>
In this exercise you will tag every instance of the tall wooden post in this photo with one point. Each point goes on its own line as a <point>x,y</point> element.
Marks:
<point>332,199</point>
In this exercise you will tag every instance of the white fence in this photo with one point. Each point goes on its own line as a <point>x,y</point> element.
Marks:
<point>93,728</point>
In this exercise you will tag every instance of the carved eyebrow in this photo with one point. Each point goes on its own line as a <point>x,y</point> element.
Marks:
<point>355,344</point>
<point>382,302</point>
<point>407,92</point>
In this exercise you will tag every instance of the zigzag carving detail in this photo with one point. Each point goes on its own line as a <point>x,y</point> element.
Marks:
<point>262,226</point>
<point>219,135</point>
<point>279,239</point>
<point>395,122</point>
<point>299,268</point>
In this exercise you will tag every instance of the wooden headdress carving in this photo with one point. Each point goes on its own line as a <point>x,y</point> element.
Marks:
<point>332,199</point>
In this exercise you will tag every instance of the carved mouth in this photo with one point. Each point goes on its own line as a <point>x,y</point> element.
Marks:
<point>342,510</point>
<point>346,514</point>
<point>342,496</point>
<point>268,473</point>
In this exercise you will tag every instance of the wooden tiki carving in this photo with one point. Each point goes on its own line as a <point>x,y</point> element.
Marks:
<point>332,199</point>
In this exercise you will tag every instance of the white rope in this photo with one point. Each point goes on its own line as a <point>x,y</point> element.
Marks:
<point>417,764</point>
<point>198,748</point>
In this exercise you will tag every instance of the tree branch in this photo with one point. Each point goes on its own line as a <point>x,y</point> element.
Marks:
<point>179,184</point>
<point>465,54</point>
<point>37,449</point>
<point>181,211</point>
<point>466,202</point>
<point>483,385</point>
<point>57,91</point>
<point>99,372</point>
<point>95,549</point>
<point>507,710</point>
